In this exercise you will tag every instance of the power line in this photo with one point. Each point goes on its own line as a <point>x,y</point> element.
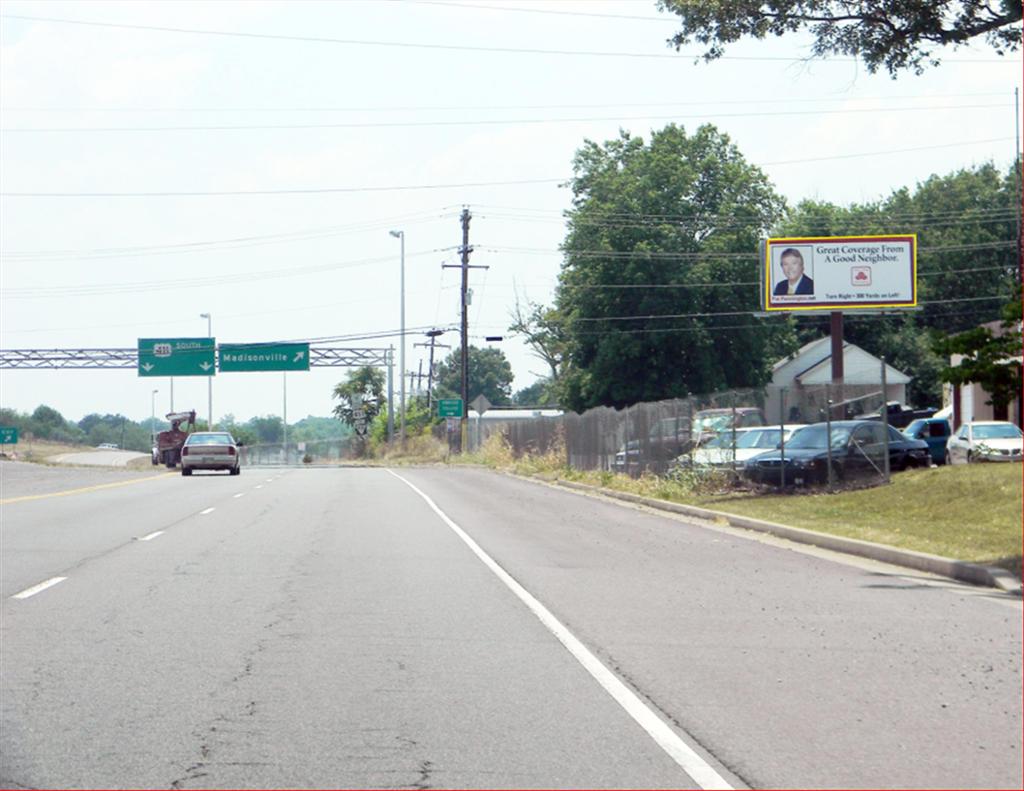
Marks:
<point>217,244</point>
<point>100,289</point>
<point>494,107</point>
<point>476,7</point>
<point>710,314</point>
<point>311,191</point>
<point>427,46</point>
<point>486,121</point>
<point>329,190</point>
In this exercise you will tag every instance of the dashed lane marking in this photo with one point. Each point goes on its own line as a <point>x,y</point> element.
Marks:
<point>38,588</point>
<point>203,513</point>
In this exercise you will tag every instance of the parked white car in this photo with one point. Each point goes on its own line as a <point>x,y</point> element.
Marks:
<point>750,442</point>
<point>985,440</point>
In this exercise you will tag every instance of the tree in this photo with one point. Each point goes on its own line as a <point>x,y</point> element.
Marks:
<point>991,359</point>
<point>363,388</point>
<point>660,271</point>
<point>544,332</point>
<point>266,428</point>
<point>896,35</point>
<point>540,393</point>
<point>47,423</point>
<point>490,375</point>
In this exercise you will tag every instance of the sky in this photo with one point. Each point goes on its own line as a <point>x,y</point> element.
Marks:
<point>247,160</point>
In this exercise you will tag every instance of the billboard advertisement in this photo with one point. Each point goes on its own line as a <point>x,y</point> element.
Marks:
<point>839,273</point>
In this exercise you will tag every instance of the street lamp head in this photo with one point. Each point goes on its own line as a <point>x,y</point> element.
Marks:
<point>397,234</point>
<point>204,315</point>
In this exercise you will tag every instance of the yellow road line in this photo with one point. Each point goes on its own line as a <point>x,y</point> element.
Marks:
<point>83,489</point>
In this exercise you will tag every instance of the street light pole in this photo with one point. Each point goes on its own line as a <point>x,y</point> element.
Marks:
<point>152,417</point>
<point>209,380</point>
<point>401,349</point>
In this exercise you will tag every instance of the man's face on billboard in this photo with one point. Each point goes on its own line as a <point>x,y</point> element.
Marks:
<point>792,267</point>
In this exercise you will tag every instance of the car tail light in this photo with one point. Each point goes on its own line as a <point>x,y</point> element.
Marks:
<point>231,451</point>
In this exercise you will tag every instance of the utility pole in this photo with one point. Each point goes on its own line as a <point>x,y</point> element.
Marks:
<point>432,334</point>
<point>465,250</point>
<point>1017,167</point>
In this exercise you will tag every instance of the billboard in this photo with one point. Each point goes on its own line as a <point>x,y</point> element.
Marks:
<point>839,272</point>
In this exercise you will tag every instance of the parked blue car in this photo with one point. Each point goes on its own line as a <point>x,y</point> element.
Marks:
<point>934,431</point>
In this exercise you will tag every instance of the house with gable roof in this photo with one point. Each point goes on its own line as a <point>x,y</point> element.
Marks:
<point>801,384</point>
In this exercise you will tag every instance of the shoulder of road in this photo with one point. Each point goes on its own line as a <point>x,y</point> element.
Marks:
<point>964,571</point>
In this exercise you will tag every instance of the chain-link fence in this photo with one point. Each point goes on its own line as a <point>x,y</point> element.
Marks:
<point>318,452</point>
<point>835,436</point>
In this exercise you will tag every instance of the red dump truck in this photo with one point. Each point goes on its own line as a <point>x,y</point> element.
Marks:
<point>167,448</point>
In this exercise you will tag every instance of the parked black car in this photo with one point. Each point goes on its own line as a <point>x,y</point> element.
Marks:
<point>858,449</point>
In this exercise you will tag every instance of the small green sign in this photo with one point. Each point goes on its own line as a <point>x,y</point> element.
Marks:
<point>449,407</point>
<point>263,357</point>
<point>8,434</point>
<point>177,357</point>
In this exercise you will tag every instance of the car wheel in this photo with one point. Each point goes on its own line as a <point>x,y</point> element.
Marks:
<point>236,470</point>
<point>186,471</point>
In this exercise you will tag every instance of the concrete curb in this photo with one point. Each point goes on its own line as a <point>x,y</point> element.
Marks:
<point>974,573</point>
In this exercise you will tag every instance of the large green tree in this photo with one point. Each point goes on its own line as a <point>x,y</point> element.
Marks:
<point>894,34</point>
<point>490,375</point>
<point>659,279</point>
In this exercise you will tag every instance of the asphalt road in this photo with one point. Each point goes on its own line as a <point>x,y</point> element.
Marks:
<point>332,628</point>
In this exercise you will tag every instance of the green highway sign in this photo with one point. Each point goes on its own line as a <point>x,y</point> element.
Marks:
<point>449,407</point>
<point>263,357</point>
<point>177,357</point>
<point>8,434</point>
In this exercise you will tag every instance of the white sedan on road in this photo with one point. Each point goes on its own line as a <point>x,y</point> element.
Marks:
<point>985,440</point>
<point>210,450</point>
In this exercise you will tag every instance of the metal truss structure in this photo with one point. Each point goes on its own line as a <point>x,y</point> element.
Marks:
<point>319,357</point>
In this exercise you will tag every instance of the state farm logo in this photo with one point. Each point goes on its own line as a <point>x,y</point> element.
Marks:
<point>860,275</point>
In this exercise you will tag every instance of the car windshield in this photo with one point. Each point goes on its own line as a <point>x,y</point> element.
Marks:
<point>997,431</point>
<point>209,439</point>
<point>914,427</point>
<point>814,437</point>
<point>719,440</point>
<point>713,423</point>
<point>763,438</point>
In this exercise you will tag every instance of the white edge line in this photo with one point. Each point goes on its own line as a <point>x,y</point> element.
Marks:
<point>38,588</point>
<point>203,513</point>
<point>680,752</point>
<point>152,535</point>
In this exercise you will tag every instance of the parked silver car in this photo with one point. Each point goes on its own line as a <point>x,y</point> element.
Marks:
<point>210,450</point>
<point>986,440</point>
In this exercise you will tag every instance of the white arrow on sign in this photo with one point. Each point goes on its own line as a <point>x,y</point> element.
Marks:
<point>205,366</point>
<point>147,367</point>
<point>298,356</point>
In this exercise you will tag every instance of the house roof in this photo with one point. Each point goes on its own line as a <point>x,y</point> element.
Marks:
<point>812,365</point>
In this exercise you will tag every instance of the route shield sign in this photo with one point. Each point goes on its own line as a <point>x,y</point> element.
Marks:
<point>177,357</point>
<point>263,357</point>
<point>9,435</point>
<point>449,407</point>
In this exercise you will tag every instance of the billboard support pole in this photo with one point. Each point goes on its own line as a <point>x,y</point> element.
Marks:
<point>836,332</point>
